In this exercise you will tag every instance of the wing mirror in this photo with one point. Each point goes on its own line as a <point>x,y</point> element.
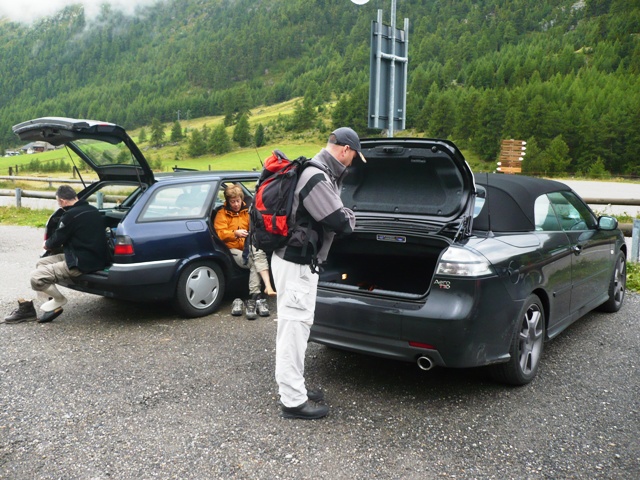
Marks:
<point>607,223</point>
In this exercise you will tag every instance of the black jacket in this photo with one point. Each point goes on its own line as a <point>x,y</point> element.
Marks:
<point>81,234</point>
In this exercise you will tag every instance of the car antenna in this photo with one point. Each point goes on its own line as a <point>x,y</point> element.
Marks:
<point>258,153</point>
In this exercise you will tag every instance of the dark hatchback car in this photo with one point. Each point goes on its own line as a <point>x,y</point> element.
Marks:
<point>164,244</point>
<point>458,270</point>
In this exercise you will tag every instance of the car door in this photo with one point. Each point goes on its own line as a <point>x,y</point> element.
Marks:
<point>172,222</point>
<point>555,248</point>
<point>592,250</point>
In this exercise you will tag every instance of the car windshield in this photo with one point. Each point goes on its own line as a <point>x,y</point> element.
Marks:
<point>104,154</point>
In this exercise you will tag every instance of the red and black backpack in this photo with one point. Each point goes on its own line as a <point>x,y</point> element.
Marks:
<point>271,209</point>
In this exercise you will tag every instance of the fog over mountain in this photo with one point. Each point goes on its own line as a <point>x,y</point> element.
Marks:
<point>34,10</point>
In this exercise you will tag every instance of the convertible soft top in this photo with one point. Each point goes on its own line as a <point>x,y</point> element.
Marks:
<point>510,200</point>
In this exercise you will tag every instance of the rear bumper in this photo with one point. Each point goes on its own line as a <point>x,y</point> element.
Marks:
<point>450,326</point>
<point>136,281</point>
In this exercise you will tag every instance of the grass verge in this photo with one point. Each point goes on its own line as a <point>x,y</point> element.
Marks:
<point>24,217</point>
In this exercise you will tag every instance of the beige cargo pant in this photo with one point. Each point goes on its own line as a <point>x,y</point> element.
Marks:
<point>50,270</point>
<point>257,262</point>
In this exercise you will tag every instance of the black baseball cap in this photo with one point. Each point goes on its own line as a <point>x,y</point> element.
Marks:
<point>347,136</point>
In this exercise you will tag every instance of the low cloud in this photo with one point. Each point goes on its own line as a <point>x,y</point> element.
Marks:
<point>33,10</point>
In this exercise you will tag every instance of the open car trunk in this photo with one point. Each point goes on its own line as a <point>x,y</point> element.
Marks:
<point>394,266</point>
<point>412,199</point>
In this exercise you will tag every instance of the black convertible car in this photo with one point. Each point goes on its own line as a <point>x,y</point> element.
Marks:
<point>459,270</point>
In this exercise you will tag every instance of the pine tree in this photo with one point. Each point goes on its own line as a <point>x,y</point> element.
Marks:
<point>304,115</point>
<point>532,163</point>
<point>219,142</point>
<point>157,132</point>
<point>196,145</point>
<point>258,137</point>
<point>241,132</point>
<point>176,132</point>
<point>555,158</point>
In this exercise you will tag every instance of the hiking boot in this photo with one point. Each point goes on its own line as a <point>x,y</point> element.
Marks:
<point>251,309</point>
<point>236,307</point>
<point>262,307</point>
<point>315,395</point>
<point>25,312</point>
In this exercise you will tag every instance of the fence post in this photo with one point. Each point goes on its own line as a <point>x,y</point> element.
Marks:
<point>18,197</point>
<point>635,238</point>
<point>99,200</point>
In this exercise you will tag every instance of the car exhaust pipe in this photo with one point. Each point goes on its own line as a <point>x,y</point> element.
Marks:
<point>425,363</point>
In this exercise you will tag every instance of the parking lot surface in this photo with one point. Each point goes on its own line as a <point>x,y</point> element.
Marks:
<point>132,391</point>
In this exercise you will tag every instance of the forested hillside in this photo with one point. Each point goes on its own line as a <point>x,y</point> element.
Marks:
<point>562,74</point>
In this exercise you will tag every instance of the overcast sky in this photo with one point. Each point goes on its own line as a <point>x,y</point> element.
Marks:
<point>27,11</point>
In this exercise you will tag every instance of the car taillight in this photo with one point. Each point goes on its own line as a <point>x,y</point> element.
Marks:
<point>463,262</point>
<point>123,246</point>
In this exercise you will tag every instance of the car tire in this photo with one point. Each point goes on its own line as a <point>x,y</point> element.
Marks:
<point>527,344</point>
<point>617,286</point>
<point>200,289</point>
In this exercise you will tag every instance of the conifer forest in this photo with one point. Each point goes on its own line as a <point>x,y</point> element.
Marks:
<point>564,75</point>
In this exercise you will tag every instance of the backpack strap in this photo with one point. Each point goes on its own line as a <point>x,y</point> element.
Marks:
<point>314,257</point>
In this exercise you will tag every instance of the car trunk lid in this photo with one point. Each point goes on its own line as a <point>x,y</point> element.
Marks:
<point>412,199</point>
<point>424,182</point>
<point>104,147</point>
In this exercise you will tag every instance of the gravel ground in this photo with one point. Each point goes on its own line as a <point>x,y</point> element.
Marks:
<point>132,391</point>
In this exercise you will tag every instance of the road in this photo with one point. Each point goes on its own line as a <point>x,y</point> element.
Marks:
<point>592,189</point>
<point>132,391</point>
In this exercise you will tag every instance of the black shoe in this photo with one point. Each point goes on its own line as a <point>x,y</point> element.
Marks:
<point>315,395</point>
<point>251,309</point>
<point>50,316</point>
<point>305,411</point>
<point>25,312</point>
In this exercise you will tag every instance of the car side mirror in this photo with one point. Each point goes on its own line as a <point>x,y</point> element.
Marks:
<point>607,223</point>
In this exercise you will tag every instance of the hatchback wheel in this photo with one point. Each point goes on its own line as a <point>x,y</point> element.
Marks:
<point>200,289</point>
<point>617,286</point>
<point>526,346</point>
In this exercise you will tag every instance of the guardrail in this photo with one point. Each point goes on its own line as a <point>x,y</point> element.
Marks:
<point>49,180</point>
<point>99,197</point>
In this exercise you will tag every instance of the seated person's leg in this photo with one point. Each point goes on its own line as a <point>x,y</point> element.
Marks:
<point>237,256</point>
<point>262,267</point>
<point>43,280</point>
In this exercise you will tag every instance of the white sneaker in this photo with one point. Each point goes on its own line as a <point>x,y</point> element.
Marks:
<point>236,307</point>
<point>54,303</point>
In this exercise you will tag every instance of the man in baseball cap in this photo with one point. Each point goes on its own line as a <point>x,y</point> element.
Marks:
<point>345,136</point>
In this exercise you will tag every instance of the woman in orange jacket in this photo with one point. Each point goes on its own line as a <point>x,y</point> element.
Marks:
<point>232,226</point>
